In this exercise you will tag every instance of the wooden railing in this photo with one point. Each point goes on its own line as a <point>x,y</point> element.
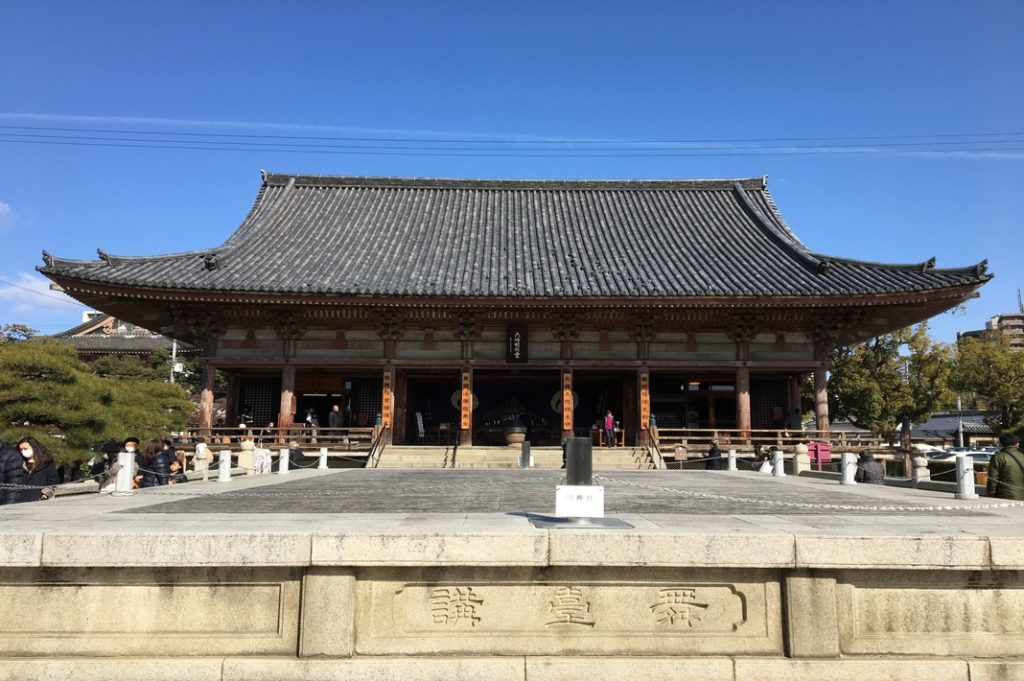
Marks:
<point>336,438</point>
<point>667,438</point>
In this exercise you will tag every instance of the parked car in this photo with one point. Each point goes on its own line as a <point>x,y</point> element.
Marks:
<point>977,455</point>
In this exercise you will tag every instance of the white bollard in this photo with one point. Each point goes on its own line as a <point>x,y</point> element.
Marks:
<point>123,482</point>
<point>849,469</point>
<point>732,460</point>
<point>224,472</point>
<point>282,461</point>
<point>323,459</point>
<point>778,464</point>
<point>965,477</point>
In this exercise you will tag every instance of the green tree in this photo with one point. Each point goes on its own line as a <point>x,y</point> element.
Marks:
<point>10,333</point>
<point>873,384</point>
<point>46,391</point>
<point>993,370</point>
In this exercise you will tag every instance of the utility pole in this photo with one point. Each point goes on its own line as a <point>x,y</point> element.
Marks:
<point>959,424</point>
<point>174,356</point>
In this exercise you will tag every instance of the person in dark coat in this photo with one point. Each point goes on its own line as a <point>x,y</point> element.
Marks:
<point>12,472</point>
<point>1006,470</point>
<point>869,470</point>
<point>334,418</point>
<point>714,457</point>
<point>41,471</point>
<point>295,456</point>
<point>155,464</point>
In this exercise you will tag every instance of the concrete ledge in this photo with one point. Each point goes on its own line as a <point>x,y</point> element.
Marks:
<point>683,549</point>
<point>627,668</point>
<point>376,669</point>
<point>21,550</point>
<point>432,547</point>
<point>851,670</point>
<point>105,669</point>
<point>907,552</point>
<point>142,549</point>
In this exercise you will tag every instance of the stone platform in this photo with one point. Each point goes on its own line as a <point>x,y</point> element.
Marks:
<point>440,574</point>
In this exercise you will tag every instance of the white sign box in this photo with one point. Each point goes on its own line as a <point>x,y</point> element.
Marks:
<point>579,501</point>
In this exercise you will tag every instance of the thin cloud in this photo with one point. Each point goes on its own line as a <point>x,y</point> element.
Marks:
<point>25,292</point>
<point>6,215</point>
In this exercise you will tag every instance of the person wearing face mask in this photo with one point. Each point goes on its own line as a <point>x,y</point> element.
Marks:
<point>12,472</point>
<point>40,469</point>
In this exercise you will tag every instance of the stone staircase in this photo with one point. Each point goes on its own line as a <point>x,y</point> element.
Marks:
<point>605,458</point>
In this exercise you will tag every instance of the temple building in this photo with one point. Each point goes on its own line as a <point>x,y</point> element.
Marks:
<point>466,305</point>
<point>102,335</point>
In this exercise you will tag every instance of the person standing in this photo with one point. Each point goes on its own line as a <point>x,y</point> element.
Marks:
<point>869,471</point>
<point>334,418</point>
<point>1006,470</point>
<point>714,457</point>
<point>155,464</point>
<point>609,429</point>
<point>12,472</point>
<point>41,472</point>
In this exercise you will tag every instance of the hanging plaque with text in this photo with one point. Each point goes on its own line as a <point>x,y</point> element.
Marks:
<point>516,344</point>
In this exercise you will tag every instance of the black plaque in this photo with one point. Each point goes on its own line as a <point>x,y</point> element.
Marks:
<point>516,344</point>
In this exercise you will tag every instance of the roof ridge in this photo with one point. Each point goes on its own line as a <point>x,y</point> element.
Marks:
<point>783,238</point>
<point>281,179</point>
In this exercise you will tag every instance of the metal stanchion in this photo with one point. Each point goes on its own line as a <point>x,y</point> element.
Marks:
<point>224,472</point>
<point>323,459</point>
<point>965,477</point>
<point>282,461</point>
<point>732,460</point>
<point>849,469</point>
<point>123,483</point>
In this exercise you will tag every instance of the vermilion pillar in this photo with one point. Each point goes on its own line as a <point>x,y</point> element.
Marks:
<point>206,401</point>
<point>286,416</point>
<point>821,399</point>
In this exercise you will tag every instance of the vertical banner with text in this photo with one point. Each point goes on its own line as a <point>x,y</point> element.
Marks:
<point>387,402</point>
<point>466,421</point>
<point>567,402</point>
<point>645,399</point>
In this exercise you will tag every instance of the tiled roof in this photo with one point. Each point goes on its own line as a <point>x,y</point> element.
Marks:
<point>105,335</point>
<point>513,239</point>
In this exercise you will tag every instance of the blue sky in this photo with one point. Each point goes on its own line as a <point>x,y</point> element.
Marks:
<point>889,131</point>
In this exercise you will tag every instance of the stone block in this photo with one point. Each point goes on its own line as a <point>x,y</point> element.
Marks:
<point>997,671</point>
<point>969,614</point>
<point>567,611</point>
<point>1007,553</point>
<point>761,669</point>
<point>908,552</point>
<point>623,668</point>
<point>811,610</point>
<point>328,606</point>
<point>148,612</point>
<point>20,549</point>
<point>129,548</point>
<point>379,669</point>
<point>431,547</point>
<point>602,547</point>
<point>105,669</point>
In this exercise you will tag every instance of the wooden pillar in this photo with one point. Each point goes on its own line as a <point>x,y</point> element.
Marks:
<point>231,402</point>
<point>743,401</point>
<point>644,385</point>
<point>567,404</point>
<point>793,383</point>
<point>286,415</point>
<point>401,399</point>
<point>466,407</point>
<point>387,403</point>
<point>821,398</point>
<point>206,401</point>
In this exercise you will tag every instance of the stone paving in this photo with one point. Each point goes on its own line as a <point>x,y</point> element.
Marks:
<point>532,491</point>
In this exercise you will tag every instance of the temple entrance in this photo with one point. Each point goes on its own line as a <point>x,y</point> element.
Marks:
<point>517,399</point>
<point>432,415</point>
<point>693,400</point>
